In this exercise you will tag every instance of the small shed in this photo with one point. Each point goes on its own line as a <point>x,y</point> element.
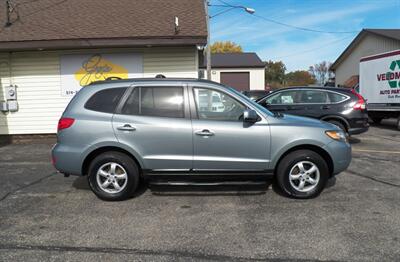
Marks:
<point>242,71</point>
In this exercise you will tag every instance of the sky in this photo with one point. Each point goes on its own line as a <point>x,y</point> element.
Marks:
<point>299,49</point>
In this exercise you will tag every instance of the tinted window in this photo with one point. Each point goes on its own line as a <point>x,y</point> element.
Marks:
<point>285,97</point>
<point>215,105</point>
<point>336,98</point>
<point>131,106</point>
<point>106,100</point>
<point>155,101</point>
<point>313,97</point>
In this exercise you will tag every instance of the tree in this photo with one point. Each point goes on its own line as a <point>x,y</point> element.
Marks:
<point>299,78</point>
<point>226,47</point>
<point>275,73</point>
<point>321,72</point>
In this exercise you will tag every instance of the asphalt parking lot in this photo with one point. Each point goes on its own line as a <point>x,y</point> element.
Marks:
<point>46,217</point>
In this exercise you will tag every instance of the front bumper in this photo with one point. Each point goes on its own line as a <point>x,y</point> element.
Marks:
<point>340,153</point>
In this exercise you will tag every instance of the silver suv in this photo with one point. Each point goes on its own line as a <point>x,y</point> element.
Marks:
<point>120,133</point>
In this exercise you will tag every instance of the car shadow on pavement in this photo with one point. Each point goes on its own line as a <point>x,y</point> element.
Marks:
<point>277,189</point>
<point>354,140</point>
<point>219,190</point>
<point>81,183</point>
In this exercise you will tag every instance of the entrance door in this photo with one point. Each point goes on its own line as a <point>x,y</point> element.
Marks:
<point>238,80</point>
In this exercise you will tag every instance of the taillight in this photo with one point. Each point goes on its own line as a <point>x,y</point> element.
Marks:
<point>64,123</point>
<point>360,105</point>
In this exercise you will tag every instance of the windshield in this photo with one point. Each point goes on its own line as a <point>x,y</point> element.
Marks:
<point>253,103</point>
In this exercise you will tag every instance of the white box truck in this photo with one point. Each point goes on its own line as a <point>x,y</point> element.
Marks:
<point>380,85</point>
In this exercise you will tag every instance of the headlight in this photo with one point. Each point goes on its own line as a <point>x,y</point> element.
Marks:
<point>336,135</point>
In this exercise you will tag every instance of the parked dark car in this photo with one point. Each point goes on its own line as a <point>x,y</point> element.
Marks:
<point>342,107</point>
<point>256,94</point>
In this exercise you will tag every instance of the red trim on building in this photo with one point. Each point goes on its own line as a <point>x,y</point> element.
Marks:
<point>368,58</point>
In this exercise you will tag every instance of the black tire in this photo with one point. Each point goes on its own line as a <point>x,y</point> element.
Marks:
<point>376,120</point>
<point>290,161</point>
<point>121,159</point>
<point>398,123</point>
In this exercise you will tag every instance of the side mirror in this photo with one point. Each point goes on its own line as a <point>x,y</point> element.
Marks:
<point>250,116</point>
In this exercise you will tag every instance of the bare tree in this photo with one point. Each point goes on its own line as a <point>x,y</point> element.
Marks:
<point>321,72</point>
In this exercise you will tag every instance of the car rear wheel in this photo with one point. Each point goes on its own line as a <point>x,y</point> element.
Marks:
<point>302,174</point>
<point>398,123</point>
<point>113,176</point>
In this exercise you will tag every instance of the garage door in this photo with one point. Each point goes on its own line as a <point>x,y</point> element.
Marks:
<point>238,80</point>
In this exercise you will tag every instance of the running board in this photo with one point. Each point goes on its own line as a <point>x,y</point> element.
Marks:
<point>221,183</point>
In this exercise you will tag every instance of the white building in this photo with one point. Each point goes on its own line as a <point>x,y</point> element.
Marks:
<point>368,42</point>
<point>50,52</point>
<point>243,71</point>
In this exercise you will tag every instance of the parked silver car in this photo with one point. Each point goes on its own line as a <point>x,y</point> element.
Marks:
<point>167,130</point>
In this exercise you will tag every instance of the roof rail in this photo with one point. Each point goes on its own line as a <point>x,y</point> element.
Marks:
<point>113,78</point>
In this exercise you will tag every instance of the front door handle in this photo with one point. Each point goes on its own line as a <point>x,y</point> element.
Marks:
<point>126,127</point>
<point>204,132</point>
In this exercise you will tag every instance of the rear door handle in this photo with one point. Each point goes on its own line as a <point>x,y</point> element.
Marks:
<point>204,132</point>
<point>126,127</point>
<point>326,107</point>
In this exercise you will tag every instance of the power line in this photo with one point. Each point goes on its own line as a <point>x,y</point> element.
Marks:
<point>304,28</point>
<point>312,50</point>
<point>294,26</point>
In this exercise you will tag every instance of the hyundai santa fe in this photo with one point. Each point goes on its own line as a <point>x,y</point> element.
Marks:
<point>121,133</point>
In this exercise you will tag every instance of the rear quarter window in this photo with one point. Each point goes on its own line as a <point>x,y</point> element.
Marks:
<point>106,100</point>
<point>336,98</point>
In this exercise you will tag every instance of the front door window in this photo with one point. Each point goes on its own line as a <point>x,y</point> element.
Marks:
<point>215,105</point>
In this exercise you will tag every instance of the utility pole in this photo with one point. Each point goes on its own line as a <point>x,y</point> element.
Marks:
<point>208,17</point>
<point>208,47</point>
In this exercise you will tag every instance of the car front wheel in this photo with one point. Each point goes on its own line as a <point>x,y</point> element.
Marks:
<point>113,176</point>
<point>302,174</point>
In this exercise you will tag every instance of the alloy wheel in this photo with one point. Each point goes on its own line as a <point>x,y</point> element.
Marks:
<point>304,176</point>
<point>112,178</point>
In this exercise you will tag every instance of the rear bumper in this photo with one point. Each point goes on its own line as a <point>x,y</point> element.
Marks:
<point>358,125</point>
<point>358,130</point>
<point>66,159</point>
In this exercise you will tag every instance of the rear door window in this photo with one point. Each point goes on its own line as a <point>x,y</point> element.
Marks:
<point>155,101</point>
<point>105,100</point>
<point>313,97</point>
